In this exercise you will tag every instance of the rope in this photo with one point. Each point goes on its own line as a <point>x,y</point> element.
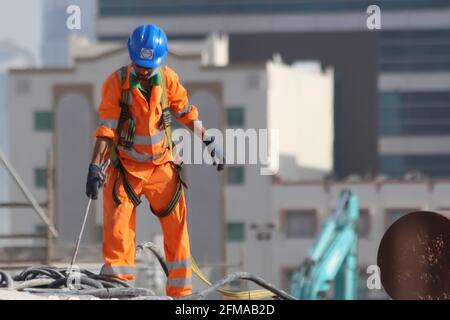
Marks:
<point>241,295</point>
<point>269,292</point>
<point>51,280</point>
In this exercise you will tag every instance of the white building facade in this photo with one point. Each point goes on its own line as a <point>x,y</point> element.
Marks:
<point>11,56</point>
<point>276,241</point>
<point>413,64</point>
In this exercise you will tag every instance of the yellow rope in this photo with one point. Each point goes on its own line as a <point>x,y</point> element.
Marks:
<point>240,295</point>
<point>165,108</point>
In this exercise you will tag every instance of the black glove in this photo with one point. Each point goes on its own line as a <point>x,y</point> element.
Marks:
<point>216,152</point>
<point>95,180</point>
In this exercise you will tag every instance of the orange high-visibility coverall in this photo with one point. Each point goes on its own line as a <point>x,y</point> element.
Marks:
<point>150,172</point>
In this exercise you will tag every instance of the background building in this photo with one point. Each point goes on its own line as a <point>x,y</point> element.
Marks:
<point>392,84</point>
<point>11,56</point>
<point>298,209</point>
<point>55,50</point>
<point>359,109</point>
<point>61,110</point>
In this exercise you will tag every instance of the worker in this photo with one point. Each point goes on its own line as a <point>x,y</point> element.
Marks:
<point>134,133</point>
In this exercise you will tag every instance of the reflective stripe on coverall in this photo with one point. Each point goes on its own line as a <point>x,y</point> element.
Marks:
<point>150,173</point>
<point>119,227</point>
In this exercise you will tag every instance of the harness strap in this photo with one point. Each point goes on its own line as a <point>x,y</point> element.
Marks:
<point>166,115</point>
<point>173,202</point>
<point>126,185</point>
<point>176,197</point>
<point>126,141</point>
<point>125,103</point>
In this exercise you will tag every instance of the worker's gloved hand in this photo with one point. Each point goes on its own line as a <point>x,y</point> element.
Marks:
<point>95,180</point>
<point>215,151</point>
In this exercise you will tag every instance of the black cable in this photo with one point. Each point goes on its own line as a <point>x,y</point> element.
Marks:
<point>78,281</point>
<point>6,279</point>
<point>235,276</point>
<point>104,293</point>
<point>102,286</point>
<point>230,278</point>
<point>154,249</point>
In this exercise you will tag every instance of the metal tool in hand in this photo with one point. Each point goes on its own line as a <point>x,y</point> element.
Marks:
<point>104,166</point>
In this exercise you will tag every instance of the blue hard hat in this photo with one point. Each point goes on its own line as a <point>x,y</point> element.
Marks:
<point>147,46</point>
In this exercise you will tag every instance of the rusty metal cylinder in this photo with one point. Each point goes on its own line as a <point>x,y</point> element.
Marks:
<point>414,257</point>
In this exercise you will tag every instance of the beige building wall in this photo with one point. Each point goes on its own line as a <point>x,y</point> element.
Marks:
<point>381,203</point>
<point>301,107</point>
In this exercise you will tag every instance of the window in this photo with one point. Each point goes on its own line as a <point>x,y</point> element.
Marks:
<point>41,230</point>
<point>174,7</point>
<point>393,215</point>
<point>40,233</point>
<point>235,117</point>
<point>406,113</point>
<point>235,175</point>
<point>40,177</point>
<point>364,222</point>
<point>431,165</point>
<point>236,232</point>
<point>43,120</point>
<point>253,82</point>
<point>23,86</point>
<point>299,223</point>
<point>414,50</point>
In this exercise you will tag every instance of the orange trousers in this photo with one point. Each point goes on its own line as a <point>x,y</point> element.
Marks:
<point>119,227</point>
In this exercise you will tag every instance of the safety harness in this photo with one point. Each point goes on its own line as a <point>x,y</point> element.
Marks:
<point>125,132</point>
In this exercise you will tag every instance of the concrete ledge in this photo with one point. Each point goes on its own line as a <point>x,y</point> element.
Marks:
<point>10,255</point>
<point>18,295</point>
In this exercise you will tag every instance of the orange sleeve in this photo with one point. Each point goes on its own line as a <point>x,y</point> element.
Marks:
<point>178,99</point>
<point>109,108</point>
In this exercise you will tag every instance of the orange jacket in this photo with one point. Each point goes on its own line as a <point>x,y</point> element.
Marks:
<point>150,143</point>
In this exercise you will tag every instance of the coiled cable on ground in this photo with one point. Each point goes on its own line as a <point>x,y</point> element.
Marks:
<point>269,292</point>
<point>59,281</point>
